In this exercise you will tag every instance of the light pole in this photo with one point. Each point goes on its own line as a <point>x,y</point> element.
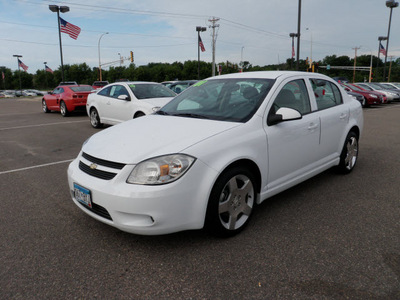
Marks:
<point>199,29</point>
<point>58,9</point>
<point>45,73</point>
<point>19,73</point>
<point>98,46</point>
<point>298,35</point>
<point>391,4</point>
<point>241,60</point>
<point>292,35</point>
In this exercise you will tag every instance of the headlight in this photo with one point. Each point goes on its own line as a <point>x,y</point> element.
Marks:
<point>373,96</point>
<point>160,170</point>
<point>392,94</point>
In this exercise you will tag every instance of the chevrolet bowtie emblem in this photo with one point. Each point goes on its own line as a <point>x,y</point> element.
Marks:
<point>93,166</point>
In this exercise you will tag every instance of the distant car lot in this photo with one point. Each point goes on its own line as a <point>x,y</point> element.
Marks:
<point>330,237</point>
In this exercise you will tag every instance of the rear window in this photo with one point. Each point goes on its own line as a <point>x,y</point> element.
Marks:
<point>85,88</point>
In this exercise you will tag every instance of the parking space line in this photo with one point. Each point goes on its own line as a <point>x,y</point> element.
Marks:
<point>40,125</point>
<point>37,166</point>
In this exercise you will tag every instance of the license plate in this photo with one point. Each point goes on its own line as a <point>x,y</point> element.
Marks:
<point>82,195</point>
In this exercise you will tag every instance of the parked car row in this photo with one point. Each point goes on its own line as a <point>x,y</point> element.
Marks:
<point>20,93</point>
<point>374,93</point>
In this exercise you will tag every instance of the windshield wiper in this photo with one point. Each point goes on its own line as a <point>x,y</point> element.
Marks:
<point>191,115</point>
<point>161,112</point>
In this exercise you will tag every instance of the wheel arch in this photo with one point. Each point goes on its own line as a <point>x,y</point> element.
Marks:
<point>249,165</point>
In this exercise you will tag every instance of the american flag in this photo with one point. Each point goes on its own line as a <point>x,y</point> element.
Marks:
<point>201,45</point>
<point>70,29</point>
<point>22,65</point>
<point>48,69</point>
<point>382,49</point>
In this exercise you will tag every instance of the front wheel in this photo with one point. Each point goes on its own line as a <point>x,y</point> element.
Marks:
<point>231,202</point>
<point>349,155</point>
<point>63,109</point>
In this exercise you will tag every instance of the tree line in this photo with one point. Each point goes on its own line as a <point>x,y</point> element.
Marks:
<point>159,72</point>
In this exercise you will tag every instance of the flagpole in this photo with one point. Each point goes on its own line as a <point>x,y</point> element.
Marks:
<point>198,29</point>
<point>19,73</point>
<point>61,53</point>
<point>63,9</point>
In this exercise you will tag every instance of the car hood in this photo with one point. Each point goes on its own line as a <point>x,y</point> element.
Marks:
<point>157,101</point>
<point>135,140</point>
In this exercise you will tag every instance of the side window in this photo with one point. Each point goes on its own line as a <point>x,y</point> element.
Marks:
<point>293,95</point>
<point>326,93</point>
<point>118,90</point>
<point>104,92</point>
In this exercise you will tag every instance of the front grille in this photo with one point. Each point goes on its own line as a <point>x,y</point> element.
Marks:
<point>96,172</point>
<point>98,210</point>
<point>103,162</point>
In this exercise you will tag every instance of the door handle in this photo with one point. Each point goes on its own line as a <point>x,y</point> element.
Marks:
<point>312,126</point>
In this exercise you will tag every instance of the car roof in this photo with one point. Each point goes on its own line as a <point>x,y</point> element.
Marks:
<point>269,75</point>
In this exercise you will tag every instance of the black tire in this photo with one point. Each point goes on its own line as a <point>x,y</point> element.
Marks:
<point>63,109</point>
<point>95,119</point>
<point>231,204</point>
<point>44,107</point>
<point>349,155</point>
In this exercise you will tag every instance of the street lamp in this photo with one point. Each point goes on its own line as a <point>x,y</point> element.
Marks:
<point>391,4</point>
<point>292,35</point>
<point>298,35</point>
<point>241,60</point>
<point>19,73</point>
<point>311,61</point>
<point>58,9</point>
<point>99,54</point>
<point>199,29</point>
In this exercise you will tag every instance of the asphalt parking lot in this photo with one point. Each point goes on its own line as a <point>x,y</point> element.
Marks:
<point>332,237</point>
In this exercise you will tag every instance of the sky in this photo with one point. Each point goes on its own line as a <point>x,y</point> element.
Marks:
<point>165,31</point>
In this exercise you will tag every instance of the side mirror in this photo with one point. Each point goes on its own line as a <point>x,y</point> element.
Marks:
<point>282,115</point>
<point>124,97</point>
<point>50,93</point>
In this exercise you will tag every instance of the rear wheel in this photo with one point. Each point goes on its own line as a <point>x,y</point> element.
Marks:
<point>94,118</point>
<point>349,155</point>
<point>44,106</point>
<point>231,202</point>
<point>63,109</point>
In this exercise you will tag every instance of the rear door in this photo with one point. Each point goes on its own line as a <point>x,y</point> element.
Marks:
<point>334,117</point>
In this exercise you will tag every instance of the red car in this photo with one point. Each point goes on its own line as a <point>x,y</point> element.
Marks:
<point>66,98</point>
<point>371,97</point>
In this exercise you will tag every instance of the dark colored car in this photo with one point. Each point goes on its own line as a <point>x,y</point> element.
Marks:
<point>99,84</point>
<point>370,97</point>
<point>66,98</point>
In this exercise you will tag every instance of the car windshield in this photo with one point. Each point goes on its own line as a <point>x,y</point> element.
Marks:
<point>365,87</point>
<point>81,88</point>
<point>149,90</point>
<point>233,100</point>
<point>388,86</point>
<point>376,86</point>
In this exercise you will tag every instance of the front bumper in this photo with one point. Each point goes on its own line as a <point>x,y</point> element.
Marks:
<point>145,209</point>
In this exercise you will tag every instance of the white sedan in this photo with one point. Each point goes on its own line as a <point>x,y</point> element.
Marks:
<point>215,151</point>
<point>122,101</point>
